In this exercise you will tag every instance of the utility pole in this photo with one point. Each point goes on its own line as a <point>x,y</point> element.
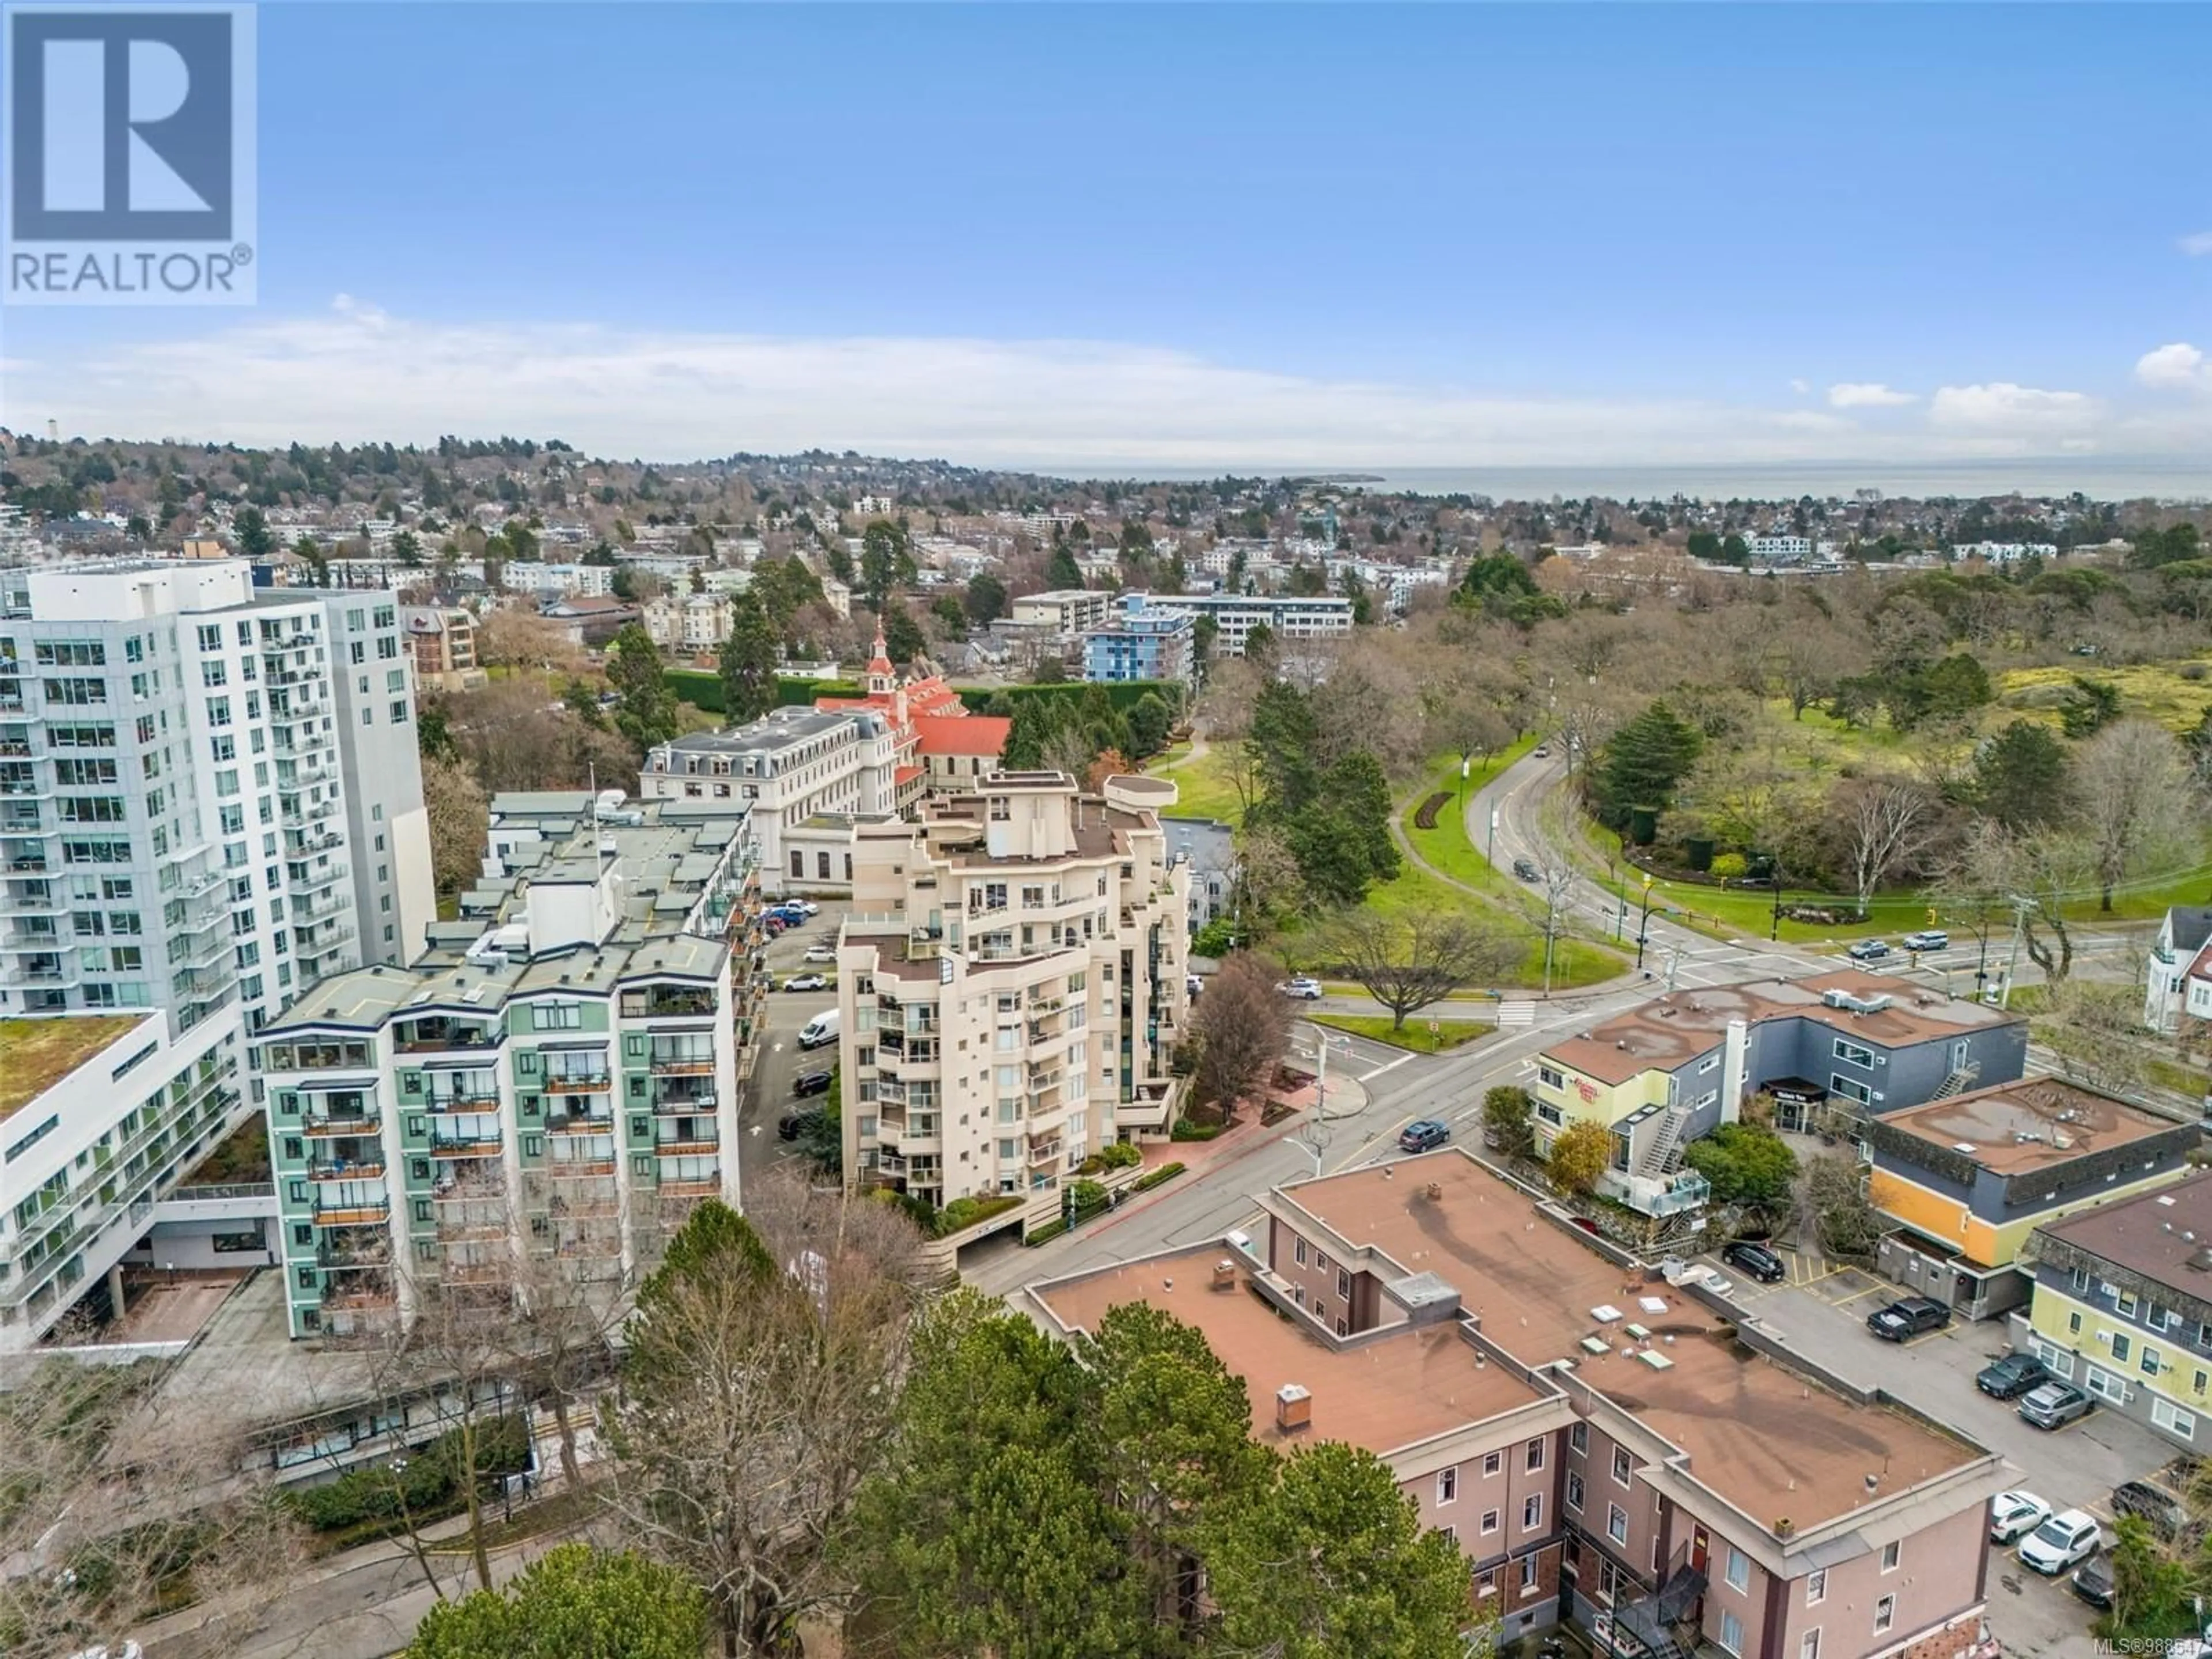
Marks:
<point>1491,856</point>
<point>2012,966</point>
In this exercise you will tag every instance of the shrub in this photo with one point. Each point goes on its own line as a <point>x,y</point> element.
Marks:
<point>1085,1196</point>
<point>1120,1155</point>
<point>429,1483</point>
<point>1186,1130</point>
<point>1730,866</point>
<point>1047,1233</point>
<point>1158,1177</point>
<point>967,1212</point>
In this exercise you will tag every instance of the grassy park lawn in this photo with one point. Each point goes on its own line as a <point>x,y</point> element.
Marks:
<point>1203,789</point>
<point>1416,1036</point>
<point>1575,962</point>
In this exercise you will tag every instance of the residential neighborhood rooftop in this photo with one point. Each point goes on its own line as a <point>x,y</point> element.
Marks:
<point>37,1052</point>
<point>2011,1128</point>
<point>1670,1030</point>
<point>1767,1438</point>
<point>2164,1236</point>
<point>1407,1386</point>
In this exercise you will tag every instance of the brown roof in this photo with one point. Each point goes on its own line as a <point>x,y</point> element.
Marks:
<point>1771,1440</point>
<point>963,734</point>
<point>1381,1394</point>
<point>2164,1236</point>
<point>2014,1127</point>
<point>1669,1031</point>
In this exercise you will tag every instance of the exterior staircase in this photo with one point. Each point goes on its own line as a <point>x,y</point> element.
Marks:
<point>1663,1156</point>
<point>1957,1082</point>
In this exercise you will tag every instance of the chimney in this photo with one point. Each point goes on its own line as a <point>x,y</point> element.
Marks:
<point>1293,1408</point>
<point>1732,1061</point>
<point>1224,1274</point>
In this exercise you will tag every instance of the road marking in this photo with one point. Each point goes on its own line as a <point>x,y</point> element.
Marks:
<point>1392,1067</point>
<point>1517,1013</point>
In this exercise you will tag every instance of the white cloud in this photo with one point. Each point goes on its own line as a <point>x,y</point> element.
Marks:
<point>1800,387</point>
<point>2197,243</point>
<point>2177,367</point>
<point>1868,394</point>
<point>2002,412</point>
<point>355,372</point>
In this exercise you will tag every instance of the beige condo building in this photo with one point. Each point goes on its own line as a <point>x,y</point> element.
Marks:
<point>1010,984</point>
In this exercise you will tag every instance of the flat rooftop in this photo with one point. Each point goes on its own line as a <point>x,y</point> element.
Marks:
<point>2166,1235</point>
<point>1768,1439</point>
<point>38,1052</point>
<point>1388,1392</point>
<point>1670,1030</point>
<point>2015,1127</point>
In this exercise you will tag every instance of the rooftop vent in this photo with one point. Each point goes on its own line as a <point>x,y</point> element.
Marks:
<point>1224,1275</point>
<point>1293,1408</point>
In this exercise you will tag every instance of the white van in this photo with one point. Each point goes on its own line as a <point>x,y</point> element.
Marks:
<point>819,1030</point>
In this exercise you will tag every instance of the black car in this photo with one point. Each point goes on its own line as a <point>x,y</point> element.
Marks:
<point>810,1083</point>
<point>2011,1376</point>
<point>1908,1317</point>
<point>1749,1256</point>
<point>2161,1510</point>
<point>791,1125</point>
<point>2093,1581</point>
<point>1526,870</point>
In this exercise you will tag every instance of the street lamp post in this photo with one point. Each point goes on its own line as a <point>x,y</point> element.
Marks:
<point>1491,856</point>
<point>1644,924</point>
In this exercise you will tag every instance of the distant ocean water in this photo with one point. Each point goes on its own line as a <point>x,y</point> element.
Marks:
<point>2099,479</point>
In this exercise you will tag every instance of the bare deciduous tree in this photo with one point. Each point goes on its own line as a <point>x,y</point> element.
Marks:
<point>2038,872</point>
<point>115,1503</point>
<point>759,1391</point>
<point>458,811</point>
<point>1268,884</point>
<point>1241,1026</point>
<point>2138,802</point>
<point>2093,1028</point>
<point>1408,965</point>
<point>509,638</point>
<point>1883,824</point>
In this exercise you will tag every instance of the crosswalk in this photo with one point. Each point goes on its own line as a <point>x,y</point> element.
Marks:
<point>1517,1013</point>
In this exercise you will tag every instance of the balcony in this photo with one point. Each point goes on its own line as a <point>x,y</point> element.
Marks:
<point>305,880</point>
<point>698,1142</point>
<point>581,1123</point>
<point>360,1295</point>
<point>476,1272</point>
<point>685,1063</point>
<point>684,1105</point>
<point>464,1098</point>
<point>580,1083</point>
<point>670,1004</point>
<point>436,1036</point>
<point>364,1121</point>
<point>579,1204</point>
<point>351,1212</point>
<point>1046,1150</point>
<point>579,1169</point>
<point>482,1144</point>
<point>705,1187</point>
<point>470,1228</point>
<point>366,1168</point>
<point>340,1255</point>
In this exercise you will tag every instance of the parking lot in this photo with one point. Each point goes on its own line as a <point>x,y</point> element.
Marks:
<point>770,1096</point>
<point>1821,1311</point>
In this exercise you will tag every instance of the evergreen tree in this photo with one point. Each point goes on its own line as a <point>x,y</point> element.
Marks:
<point>647,712</point>
<point>2020,777</point>
<point>902,635</point>
<point>1646,759</point>
<point>575,1602</point>
<point>748,662</point>
<point>1061,570</point>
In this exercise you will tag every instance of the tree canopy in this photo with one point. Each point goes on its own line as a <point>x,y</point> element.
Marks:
<point>573,1602</point>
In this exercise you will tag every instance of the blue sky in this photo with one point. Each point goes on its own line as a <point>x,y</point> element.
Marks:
<point>1301,235</point>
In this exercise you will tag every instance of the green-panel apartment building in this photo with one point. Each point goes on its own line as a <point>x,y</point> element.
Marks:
<point>550,1089</point>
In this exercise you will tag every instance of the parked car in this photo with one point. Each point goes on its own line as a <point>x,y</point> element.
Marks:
<point>772,925</point>
<point>1194,986</point>
<point>1421,1135</point>
<point>806,983</point>
<point>2161,1511</point>
<point>1310,989</point>
<point>805,907</point>
<point>820,953</point>
<point>2053,1405</point>
<point>2060,1542</point>
<point>2015,1514</point>
<point>810,1083</point>
<point>791,1125</point>
<point>1929,939</point>
<point>1747,1256</point>
<point>2093,1581</point>
<point>1526,869</point>
<point>2011,1376</point>
<point>1242,1240</point>
<point>1868,950</point>
<point>1543,751</point>
<point>1907,1317</point>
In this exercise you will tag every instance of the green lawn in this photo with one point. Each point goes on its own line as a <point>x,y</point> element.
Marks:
<point>1446,848</point>
<point>1203,789</point>
<point>1575,962</point>
<point>1416,1035</point>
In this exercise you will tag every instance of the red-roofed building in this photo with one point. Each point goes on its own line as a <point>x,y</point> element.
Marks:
<point>940,744</point>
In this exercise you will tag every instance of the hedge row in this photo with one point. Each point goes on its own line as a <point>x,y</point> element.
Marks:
<point>702,689</point>
<point>1158,1177</point>
<point>1123,695</point>
<point>1047,1233</point>
<point>430,1481</point>
<point>1186,1130</point>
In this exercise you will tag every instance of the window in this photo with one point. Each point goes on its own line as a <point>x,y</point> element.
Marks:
<point>1574,1491</point>
<point>1616,1524</point>
<point>1299,1251</point>
<point>1532,1511</point>
<point>1840,1084</point>
<point>1739,1569</point>
<point>1816,1587</point>
<point>1579,1436</point>
<point>1731,1632</point>
<point>2080,1279</point>
<point>1343,1285</point>
<point>2174,1420</point>
<point>2074,1324</point>
<point>2149,1364</point>
<point>1447,1485</point>
<point>2122,1346</point>
<point>1530,1565</point>
<point>1890,1554</point>
<point>1492,1462</point>
<point>2056,1359</point>
<point>1533,1456</point>
<point>798,863</point>
<point>1490,1519</point>
<point>1885,1613</point>
<point>1808,1645</point>
<point>1620,1465</point>
<point>1551,1077</point>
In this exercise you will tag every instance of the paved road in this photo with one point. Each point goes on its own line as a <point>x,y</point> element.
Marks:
<point>771,1096</point>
